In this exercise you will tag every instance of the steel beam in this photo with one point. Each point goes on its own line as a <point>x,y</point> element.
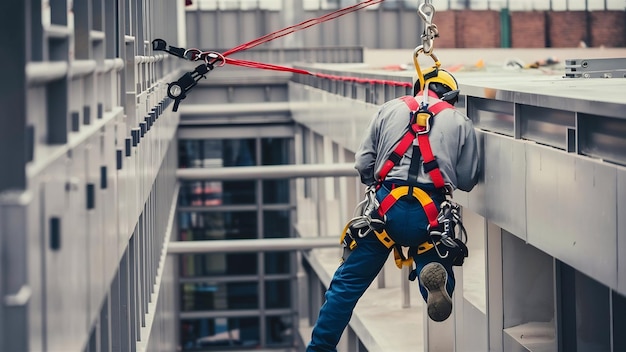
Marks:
<point>256,245</point>
<point>267,172</point>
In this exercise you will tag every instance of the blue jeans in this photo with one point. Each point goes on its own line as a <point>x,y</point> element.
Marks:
<point>406,225</point>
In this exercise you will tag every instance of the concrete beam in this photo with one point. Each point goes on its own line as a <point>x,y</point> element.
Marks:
<point>254,245</point>
<point>267,172</point>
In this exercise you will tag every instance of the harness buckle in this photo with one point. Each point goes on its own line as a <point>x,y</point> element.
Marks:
<point>431,165</point>
<point>423,118</point>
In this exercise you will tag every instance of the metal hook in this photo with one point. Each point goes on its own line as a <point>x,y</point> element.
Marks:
<point>428,14</point>
<point>420,49</point>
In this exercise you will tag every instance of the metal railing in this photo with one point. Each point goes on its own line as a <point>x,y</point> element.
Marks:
<point>271,244</point>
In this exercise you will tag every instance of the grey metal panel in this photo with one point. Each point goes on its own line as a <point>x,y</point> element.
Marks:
<point>505,182</point>
<point>382,28</point>
<point>59,305</point>
<point>343,120</point>
<point>493,268</point>
<point>223,132</point>
<point>108,203</point>
<point>595,68</point>
<point>571,204</point>
<point>547,126</point>
<point>33,230</point>
<point>389,38</point>
<point>475,336</point>
<point>15,290</point>
<point>492,115</point>
<point>311,37</point>
<point>527,283</point>
<point>245,93</point>
<point>621,230</point>
<point>602,137</point>
<point>477,199</point>
<point>93,230</point>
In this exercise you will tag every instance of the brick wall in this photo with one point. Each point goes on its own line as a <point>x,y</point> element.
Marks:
<point>567,28</point>
<point>446,24</point>
<point>478,29</point>
<point>528,29</point>
<point>608,28</point>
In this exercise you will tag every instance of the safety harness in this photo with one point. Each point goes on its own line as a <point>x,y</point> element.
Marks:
<point>441,223</point>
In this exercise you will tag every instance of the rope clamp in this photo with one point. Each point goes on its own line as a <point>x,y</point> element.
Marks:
<point>178,90</point>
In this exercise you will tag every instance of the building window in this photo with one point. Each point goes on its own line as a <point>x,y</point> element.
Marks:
<point>277,294</point>
<point>279,330</point>
<point>256,285</point>
<point>223,295</point>
<point>214,334</point>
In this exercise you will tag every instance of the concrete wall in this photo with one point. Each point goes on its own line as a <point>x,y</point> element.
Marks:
<point>401,28</point>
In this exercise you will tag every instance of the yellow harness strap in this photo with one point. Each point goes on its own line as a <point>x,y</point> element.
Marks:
<point>399,257</point>
<point>425,200</point>
<point>425,247</point>
<point>352,243</point>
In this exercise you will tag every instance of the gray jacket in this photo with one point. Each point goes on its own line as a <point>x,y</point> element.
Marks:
<point>452,139</point>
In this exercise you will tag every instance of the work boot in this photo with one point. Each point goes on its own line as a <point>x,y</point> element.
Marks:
<point>434,278</point>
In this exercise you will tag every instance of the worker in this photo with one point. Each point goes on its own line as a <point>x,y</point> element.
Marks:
<point>453,142</point>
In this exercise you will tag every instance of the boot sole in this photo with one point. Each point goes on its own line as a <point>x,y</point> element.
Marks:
<point>434,278</point>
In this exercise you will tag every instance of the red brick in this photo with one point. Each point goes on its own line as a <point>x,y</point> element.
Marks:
<point>528,29</point>
<point>446,24</point>
<point>478,29</point>
<point>567,28</point>
<point>608,28</point>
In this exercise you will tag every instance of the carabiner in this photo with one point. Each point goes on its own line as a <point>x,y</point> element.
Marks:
<point>427,15</point>
<point>420,76</point>
<point>212,57</point>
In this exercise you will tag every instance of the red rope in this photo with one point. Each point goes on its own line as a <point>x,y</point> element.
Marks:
<point>264,66</point>
<point>300,26</point>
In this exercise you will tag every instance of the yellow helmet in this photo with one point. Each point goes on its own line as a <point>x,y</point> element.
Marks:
<point>449,88</point>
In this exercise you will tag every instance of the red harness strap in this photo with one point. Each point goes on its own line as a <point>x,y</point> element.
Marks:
<point>421,129</point>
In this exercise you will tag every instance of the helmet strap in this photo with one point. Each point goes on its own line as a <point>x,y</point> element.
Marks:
<point>425,97</point>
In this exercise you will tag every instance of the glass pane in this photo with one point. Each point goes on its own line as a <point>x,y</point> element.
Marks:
<point>212,193</point>
<point>199,153</point>
<point>194,265</point>
<point>277,262</point>
<point>276,192</point>
<point>239,152</point>
<point>219,334</point>
<point>275,151</point>
<point>214,296</point>
<point>196,226</point>
<point>239,192</point>
<point>279,330</point>
<point>278,294</point>
<point>276,224</point>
